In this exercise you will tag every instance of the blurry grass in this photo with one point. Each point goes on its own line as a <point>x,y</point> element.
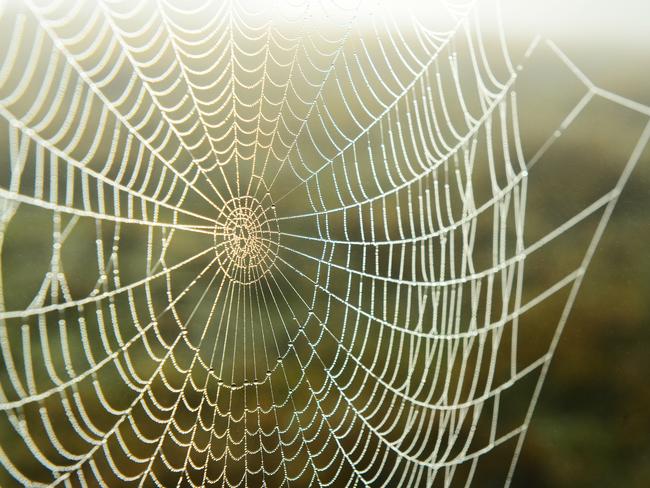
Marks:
<point>591,425</point>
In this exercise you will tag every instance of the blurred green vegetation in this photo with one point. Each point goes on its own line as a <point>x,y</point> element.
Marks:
<point>591,425</point>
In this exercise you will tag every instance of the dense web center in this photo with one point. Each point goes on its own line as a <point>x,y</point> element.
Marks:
<point>246,238</point>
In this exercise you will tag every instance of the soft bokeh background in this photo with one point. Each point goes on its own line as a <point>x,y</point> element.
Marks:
<point>591,427</point>
<point>592,423</point>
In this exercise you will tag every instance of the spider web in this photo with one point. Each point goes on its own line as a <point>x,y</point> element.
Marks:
<point>276,244</point>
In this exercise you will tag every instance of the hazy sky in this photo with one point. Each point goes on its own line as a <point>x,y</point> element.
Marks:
<point>612,20</point>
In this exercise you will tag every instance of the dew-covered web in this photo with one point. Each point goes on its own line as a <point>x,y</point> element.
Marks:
<point>268,244</point>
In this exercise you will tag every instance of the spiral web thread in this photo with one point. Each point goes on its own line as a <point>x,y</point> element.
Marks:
<point>242,245</point>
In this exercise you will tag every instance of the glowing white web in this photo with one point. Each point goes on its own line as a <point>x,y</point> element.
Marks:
<point>248,243</point>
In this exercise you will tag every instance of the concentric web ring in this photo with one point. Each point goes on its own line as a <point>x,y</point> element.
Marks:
<point>283,244</point>
<point>246,239</point>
